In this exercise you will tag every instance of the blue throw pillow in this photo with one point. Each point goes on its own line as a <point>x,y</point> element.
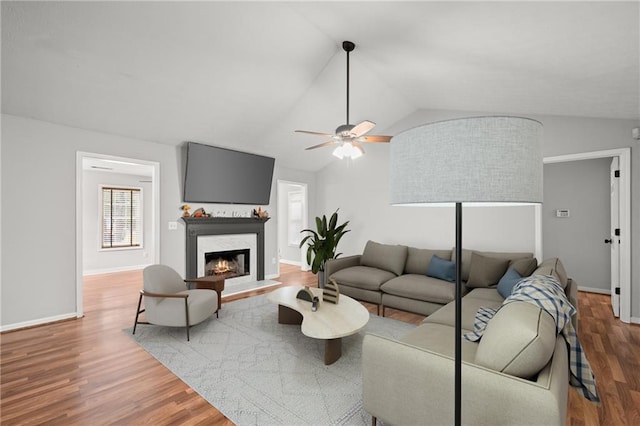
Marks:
<point>507,282</point>
<point>443,269</point>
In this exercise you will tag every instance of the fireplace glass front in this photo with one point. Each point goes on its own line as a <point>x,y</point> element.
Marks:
<point>233,263</point>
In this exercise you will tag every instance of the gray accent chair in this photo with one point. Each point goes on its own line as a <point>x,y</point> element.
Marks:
<point>168,302</point>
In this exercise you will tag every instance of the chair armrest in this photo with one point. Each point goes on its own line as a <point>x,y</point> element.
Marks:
<point>174,295</point>
<point>405,384</point>
<point>334,265</point>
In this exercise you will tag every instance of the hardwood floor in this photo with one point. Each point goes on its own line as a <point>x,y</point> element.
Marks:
<point>613,350</point>
<point>87,371</point>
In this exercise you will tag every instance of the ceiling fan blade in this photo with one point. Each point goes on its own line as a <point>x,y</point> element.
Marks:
<point>375,138</point>
<point>321,145</point>
<point>362,128</point>
<point>328,135</point>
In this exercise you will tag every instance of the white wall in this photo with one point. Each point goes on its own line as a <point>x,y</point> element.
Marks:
<point>39,176</point>
<point>571,135</point>
<point>38,213</point>
<point>95,259</point>
<point>360,189</point>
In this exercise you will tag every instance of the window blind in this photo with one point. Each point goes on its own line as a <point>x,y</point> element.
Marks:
<point>121,217</point>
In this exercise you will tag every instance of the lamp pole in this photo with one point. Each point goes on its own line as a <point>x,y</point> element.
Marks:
<point>458,327</point>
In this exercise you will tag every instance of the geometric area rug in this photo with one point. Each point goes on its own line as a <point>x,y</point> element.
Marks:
<point>258,372</point>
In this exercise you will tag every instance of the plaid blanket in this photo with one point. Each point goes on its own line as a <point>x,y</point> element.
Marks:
<point>545,292</point>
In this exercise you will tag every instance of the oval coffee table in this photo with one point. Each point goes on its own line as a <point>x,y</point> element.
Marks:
<point>331,322</point>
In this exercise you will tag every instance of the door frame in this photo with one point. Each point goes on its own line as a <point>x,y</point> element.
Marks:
<point>155,215</point>
<point>305,216</point>
<point>624,155</point>
<point>614,250</point>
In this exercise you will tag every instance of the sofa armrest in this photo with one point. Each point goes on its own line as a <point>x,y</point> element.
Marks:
<point>404,384</point>
<point>334,265</point>
<point>571,290</point>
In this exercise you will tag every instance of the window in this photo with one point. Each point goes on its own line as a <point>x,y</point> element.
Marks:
<point>294,225</point>
<point>121,217</point>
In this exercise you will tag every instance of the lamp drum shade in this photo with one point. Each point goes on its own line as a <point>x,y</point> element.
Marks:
<point>469,160</point>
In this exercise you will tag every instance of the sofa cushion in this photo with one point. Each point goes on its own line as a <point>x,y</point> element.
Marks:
<point>490,294</point>
<point>384,256</point>
<point>440,339</point>
<point>519,340</point>
<point>486,271</point>
<point>442,269</point>
<point>363,277</point>
<point>552,267</point>
<point>418,259</point>
<point>524,267</point>
<point>420,287</point>
<point>466,258</point>
<point>447,314</point>
<point>407,304</point>
<point>508,282</point>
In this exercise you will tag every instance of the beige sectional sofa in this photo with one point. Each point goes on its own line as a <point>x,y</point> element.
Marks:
<point>516,374</point>
<point>395,275</point>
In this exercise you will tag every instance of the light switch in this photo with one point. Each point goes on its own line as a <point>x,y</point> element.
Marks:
<point>173,225</point>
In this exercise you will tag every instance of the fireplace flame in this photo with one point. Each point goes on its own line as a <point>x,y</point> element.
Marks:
<point>222,267</point>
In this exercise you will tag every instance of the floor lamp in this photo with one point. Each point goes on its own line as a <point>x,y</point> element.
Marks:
<point>476,161</point>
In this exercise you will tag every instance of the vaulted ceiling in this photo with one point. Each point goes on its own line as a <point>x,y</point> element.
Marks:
<point>245,75</point>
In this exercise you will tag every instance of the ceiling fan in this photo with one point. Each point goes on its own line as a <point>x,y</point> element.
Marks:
<point>349,137</point>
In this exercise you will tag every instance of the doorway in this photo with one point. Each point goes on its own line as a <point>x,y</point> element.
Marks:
<point>92,171</point>
<point>292,218</point>
<point>614,249</point>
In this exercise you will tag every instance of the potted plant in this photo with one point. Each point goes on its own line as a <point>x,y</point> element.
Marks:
<point>322,243</point>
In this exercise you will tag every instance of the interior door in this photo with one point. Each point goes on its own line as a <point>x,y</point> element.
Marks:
<point>614,238</point>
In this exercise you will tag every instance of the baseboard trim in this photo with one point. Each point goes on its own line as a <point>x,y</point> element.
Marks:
<point>38,322</point>
<point>635,320</point>
<point>291,262</point>
<point>594,290</point>
<point>112,270</point>
<point>271,276</point>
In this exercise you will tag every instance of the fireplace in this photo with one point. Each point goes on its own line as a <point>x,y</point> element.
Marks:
<point>231,263</point>
<point>203,235</point>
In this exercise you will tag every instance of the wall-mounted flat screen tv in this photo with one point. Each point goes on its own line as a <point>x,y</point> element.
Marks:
<point>225,176</point>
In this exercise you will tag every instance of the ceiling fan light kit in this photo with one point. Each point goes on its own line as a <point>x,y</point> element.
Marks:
<point>347,149</point>
<point>349,137</point>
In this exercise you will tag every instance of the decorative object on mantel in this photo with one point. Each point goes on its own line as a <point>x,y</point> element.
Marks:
<point>185,209</point>
<point>331,292</point>
<point>305,294</point>
<point>259,213</point>
<point>322,244</point>
<point>200,213</point>
<point>223,220</point>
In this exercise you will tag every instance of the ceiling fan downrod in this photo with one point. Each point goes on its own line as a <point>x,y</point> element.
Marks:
<point>348,46</point>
